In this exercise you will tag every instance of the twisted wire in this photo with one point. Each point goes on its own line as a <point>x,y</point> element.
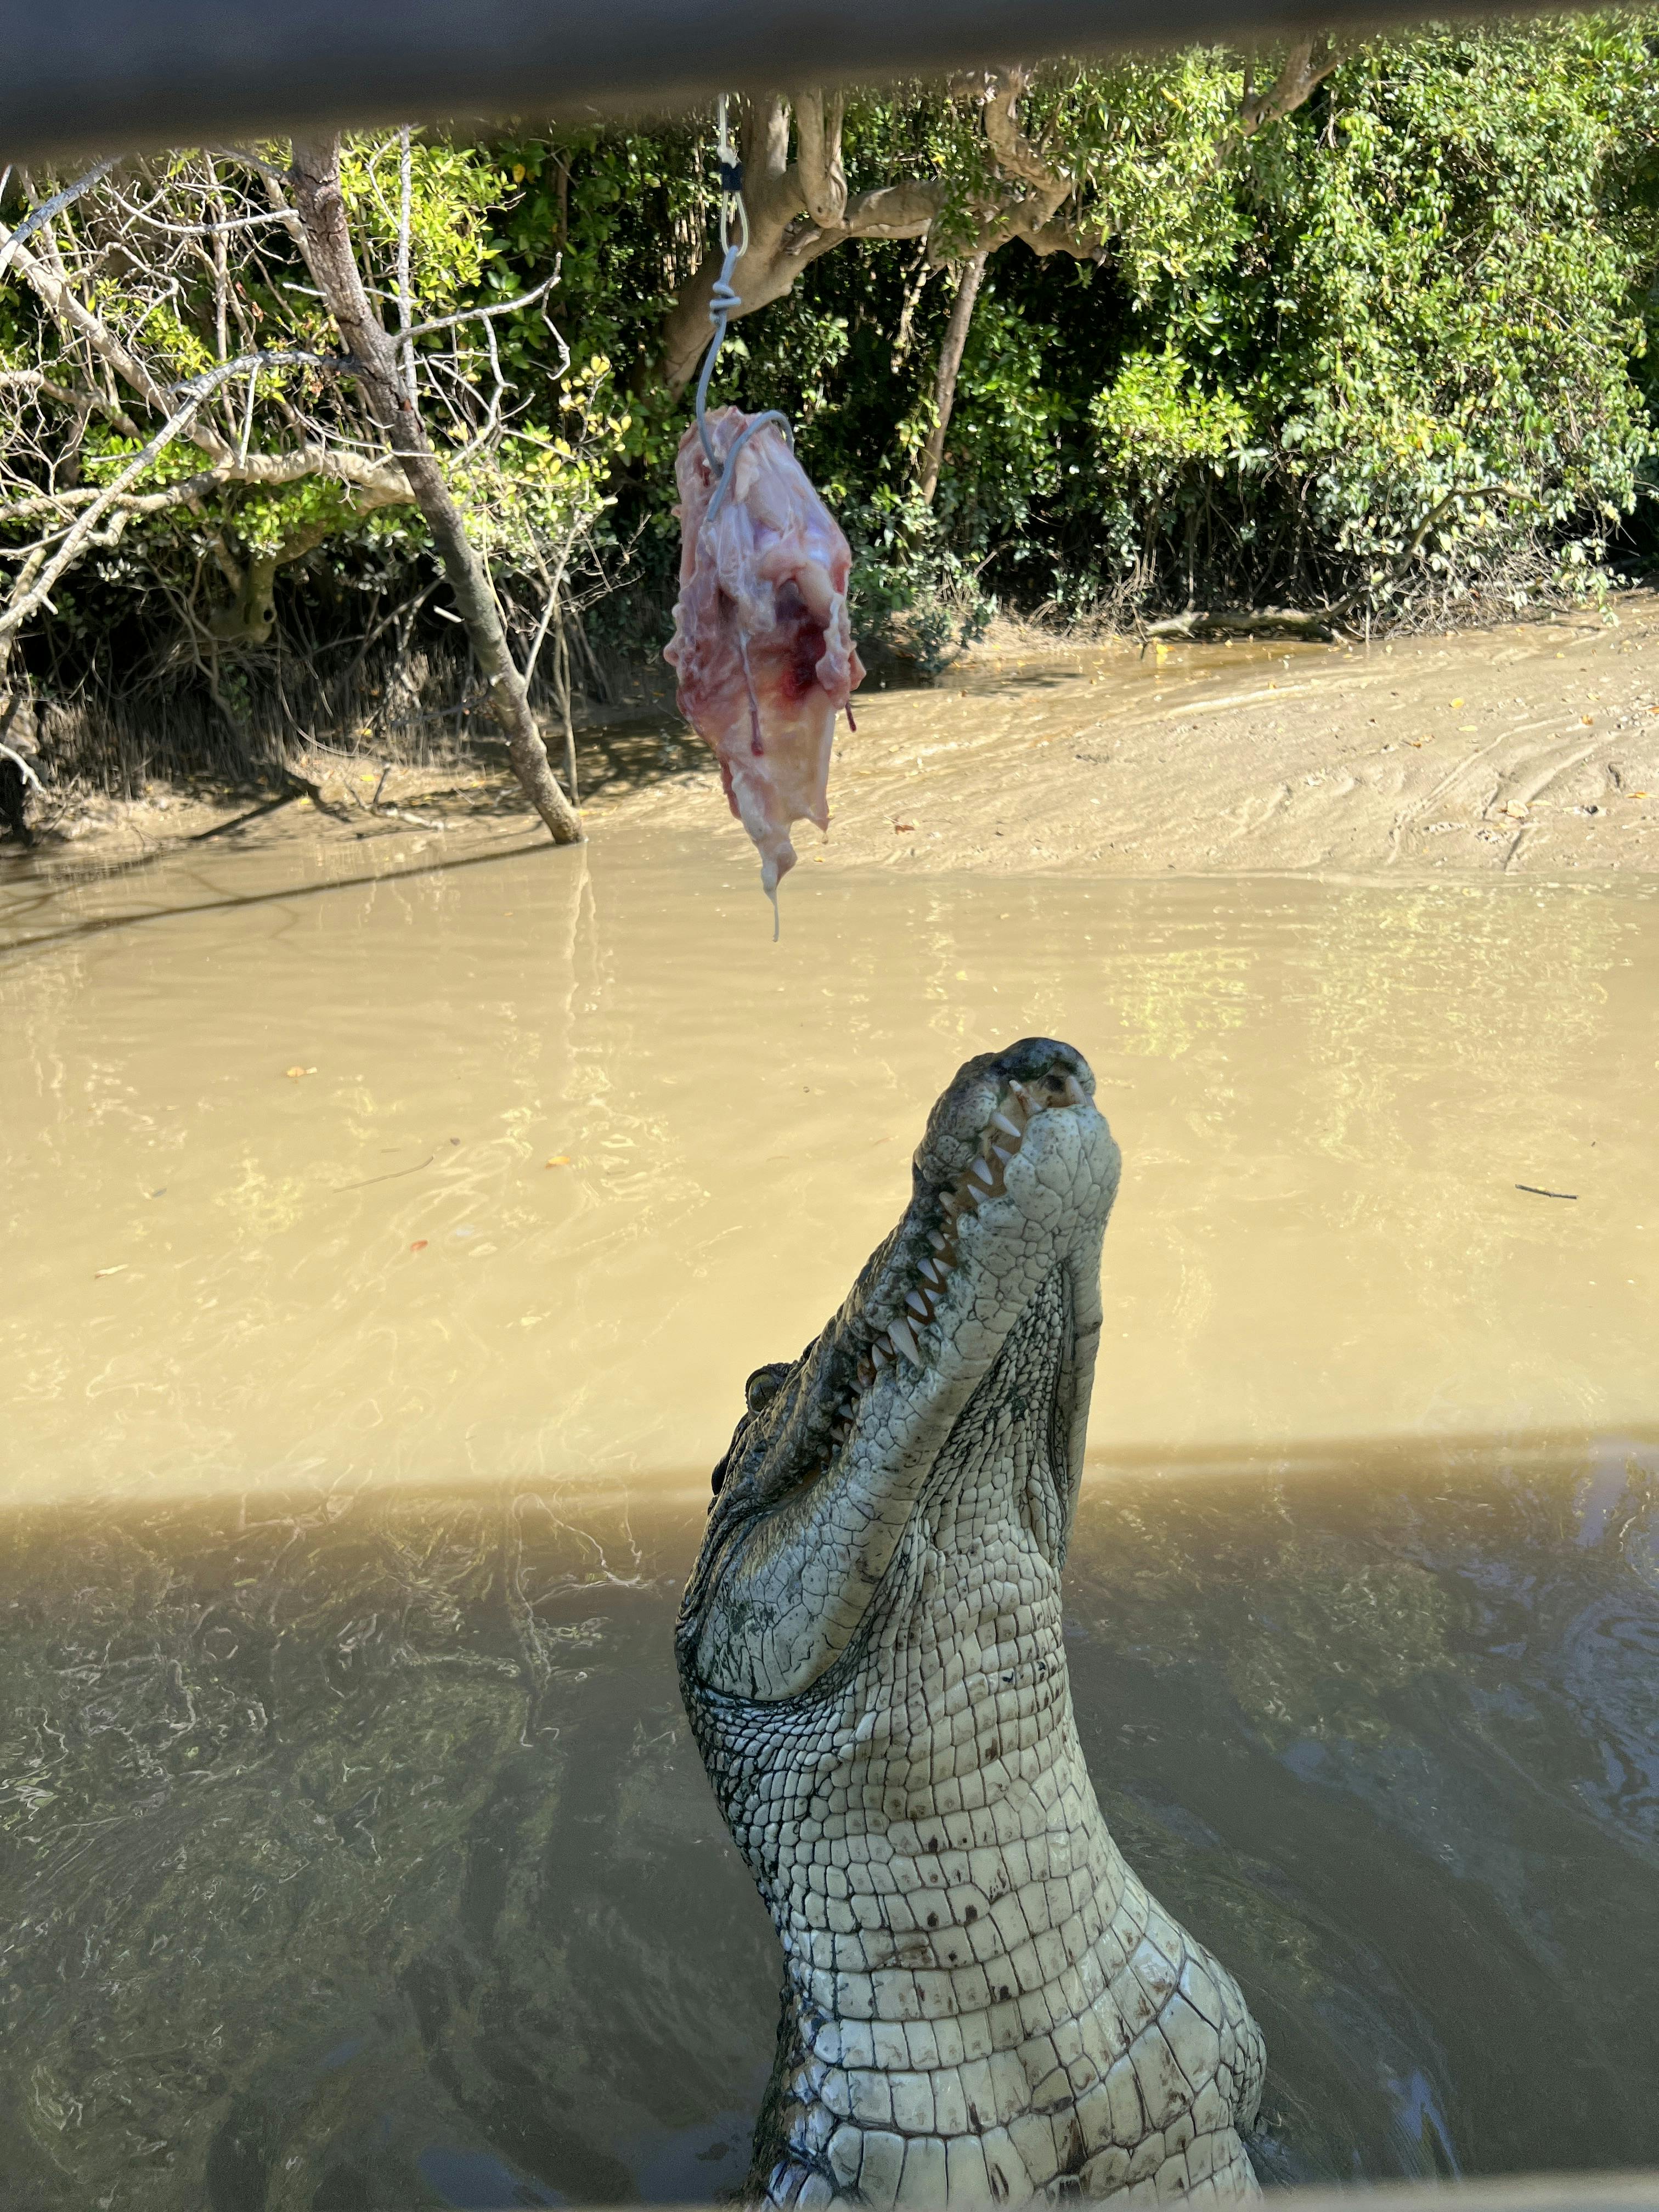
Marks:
<point>724,301</point>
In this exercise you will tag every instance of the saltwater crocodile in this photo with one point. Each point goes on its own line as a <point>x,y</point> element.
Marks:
<point>981,2001</point>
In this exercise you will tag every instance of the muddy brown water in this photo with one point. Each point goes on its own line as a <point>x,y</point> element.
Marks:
<point>352,1849</point>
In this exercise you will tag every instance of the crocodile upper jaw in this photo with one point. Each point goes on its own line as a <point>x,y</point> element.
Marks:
<point>1012,1184</point>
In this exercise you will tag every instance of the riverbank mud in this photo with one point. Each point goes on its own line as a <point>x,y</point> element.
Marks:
<point>1530,748</point>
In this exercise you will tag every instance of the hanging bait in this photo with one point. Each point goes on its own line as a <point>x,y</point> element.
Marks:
<point>762,647</point>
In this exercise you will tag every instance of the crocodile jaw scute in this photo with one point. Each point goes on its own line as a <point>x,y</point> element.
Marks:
<point>982,2003</point>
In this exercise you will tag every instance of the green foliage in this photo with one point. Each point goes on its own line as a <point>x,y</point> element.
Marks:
<point>1431,278</point>
<point>915,593</point>
<point>1155,419</point>
<point>1264,361</point>
<point>455,192</point>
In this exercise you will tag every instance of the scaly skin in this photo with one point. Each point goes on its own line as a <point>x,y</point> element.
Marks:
<point>979,2000</point>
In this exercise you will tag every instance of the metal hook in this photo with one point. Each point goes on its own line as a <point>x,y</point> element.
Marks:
<point>724,301</point>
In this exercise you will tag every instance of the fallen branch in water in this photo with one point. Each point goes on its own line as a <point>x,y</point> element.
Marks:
<point>1246,621</point>
<point>1322,621</point>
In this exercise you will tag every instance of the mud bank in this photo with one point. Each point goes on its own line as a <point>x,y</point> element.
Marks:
<point>1532,748</point>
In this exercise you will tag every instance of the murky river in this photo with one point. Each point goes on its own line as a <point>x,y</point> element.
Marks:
<point>389,1229</point>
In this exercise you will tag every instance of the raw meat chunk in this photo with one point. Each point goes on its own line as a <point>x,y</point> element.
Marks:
<point>762,644</point>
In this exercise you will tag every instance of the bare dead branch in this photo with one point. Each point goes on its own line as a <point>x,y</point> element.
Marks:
<point>24,601</point>
<point>60,300</point>
<point>49,209</point>
<point>203,229</point>
<point>483,313</point>
<point>405,226</point>
<point>321,209</point>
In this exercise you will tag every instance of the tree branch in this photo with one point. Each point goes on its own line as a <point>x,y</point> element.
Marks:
<point>999,92</point>
<point>479,314</point>
<point>1043,188</point>
<point>371,487</point>
<point>204,229</point>
<point>60,300</point>
<point>817,137</point>
<point>785,235</point>
<point>949,367</point>
<point>1306,67</point>
<point>40,217</point>
<point>26,600</point>
<point>321,209</point>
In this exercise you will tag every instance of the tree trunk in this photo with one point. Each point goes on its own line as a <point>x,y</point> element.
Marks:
<point>949,367</point>
<point>322,214</point>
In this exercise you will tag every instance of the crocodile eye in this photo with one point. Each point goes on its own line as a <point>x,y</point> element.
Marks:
<point>763,1386</point>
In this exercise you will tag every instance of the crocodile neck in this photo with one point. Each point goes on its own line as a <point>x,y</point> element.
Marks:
<point>972,1970</point>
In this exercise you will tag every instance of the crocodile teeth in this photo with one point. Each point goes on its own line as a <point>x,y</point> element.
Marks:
<point>938,1243</point>
<point>881,1354</point>
<point>1075,1093</point>
<point>918,1305</point>
<point>1002,1153</point>
<point>929,1272</point>
<point>904,1340</point>
<point>1008,1128</point>
<point>981,1169</point>
<point>1023,1097</point>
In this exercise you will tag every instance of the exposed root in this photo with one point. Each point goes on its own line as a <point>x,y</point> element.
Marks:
<point>1247,622</point>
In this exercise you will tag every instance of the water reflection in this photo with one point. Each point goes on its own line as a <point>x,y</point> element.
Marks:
<point>516,1169</point>
<point>357,1855</point>
<point>1418,1721</point>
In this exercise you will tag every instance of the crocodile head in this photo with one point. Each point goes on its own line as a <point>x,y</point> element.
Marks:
<point>969,1339</point>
